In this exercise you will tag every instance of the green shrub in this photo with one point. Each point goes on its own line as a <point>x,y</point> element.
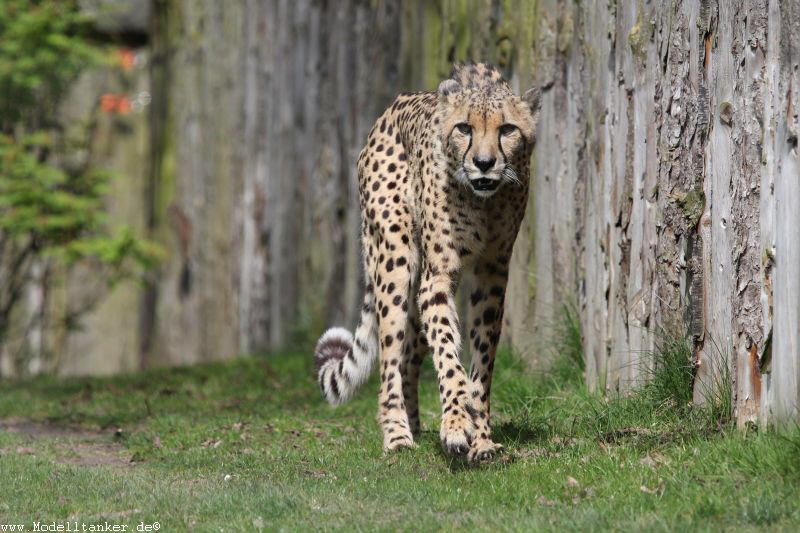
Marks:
<point>49,216</point>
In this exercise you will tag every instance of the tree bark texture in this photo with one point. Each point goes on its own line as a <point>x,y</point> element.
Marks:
<point>685,191</point>
<point>267,107</point>
<point>666,187</point>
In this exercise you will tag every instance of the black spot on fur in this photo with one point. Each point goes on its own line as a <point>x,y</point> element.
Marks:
<point>476,297</point>
<point>439,298</point>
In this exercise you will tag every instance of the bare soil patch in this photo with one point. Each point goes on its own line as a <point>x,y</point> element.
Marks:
<point>72,445</point>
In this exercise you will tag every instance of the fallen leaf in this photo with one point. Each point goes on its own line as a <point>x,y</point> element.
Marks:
<point>531,452</point>
<point>541,500</point>
<point>617,434</point>
<point>648,461</point>
<point>633,431</point>
<point>659,489</point>
<point>506,459</point>
<point>22,450</point>
<point>660,459</point>
<point>157,442</point>
<point>652,461</point>
<point>258,523</point>
<point>572,482</point>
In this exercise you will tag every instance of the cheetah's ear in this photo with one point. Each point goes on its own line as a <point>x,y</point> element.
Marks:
<point>533,97</point>
<point>448,87</point>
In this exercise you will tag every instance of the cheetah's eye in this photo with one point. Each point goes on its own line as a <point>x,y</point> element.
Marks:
<point>464,128</point>
<point>507,129</point>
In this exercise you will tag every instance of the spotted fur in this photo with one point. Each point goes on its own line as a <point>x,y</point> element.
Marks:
<point>443,183</point>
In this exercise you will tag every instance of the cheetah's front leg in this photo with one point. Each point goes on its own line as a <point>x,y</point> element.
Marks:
<point>440,324</point>
<point>486,312</point>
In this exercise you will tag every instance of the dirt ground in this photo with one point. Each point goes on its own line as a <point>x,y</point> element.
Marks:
<point>67,445</point>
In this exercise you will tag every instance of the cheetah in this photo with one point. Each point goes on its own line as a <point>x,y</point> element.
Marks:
<point>443,185</point>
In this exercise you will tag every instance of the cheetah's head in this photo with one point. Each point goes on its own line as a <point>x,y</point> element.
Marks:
<point>487,131</point>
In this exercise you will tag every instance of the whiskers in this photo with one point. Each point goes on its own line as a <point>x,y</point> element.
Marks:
<point>462,178</point>
<point>467,180</point>
<point>509,174</point>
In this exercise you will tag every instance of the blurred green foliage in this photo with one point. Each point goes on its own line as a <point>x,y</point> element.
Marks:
<point>48,214</point>
<point>42,51</point>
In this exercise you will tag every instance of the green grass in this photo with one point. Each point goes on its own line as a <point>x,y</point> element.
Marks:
<point>250,443</point>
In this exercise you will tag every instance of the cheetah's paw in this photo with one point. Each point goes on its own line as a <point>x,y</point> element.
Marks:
<point>483,449</point>
<point>457,433</point>
<point>398,442</point>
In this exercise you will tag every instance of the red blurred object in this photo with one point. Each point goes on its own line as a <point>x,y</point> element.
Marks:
<point>126,58</point>
<point>115,103</point>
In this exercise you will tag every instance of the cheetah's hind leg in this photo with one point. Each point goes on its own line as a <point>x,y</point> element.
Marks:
<point>413,354</point>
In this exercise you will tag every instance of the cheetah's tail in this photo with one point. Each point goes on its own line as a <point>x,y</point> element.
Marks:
<point>344,363</point>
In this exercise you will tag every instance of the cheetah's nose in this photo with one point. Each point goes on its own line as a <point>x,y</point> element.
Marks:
<point>484,163</point>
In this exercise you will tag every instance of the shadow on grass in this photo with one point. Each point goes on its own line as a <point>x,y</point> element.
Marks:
<point>517,433</point>
<point>456,465</point>
<point>510,434</point>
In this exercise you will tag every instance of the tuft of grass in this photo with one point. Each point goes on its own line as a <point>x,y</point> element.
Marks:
<point>668,381</point>
<point>568,364</point>
<point>717,395</point>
